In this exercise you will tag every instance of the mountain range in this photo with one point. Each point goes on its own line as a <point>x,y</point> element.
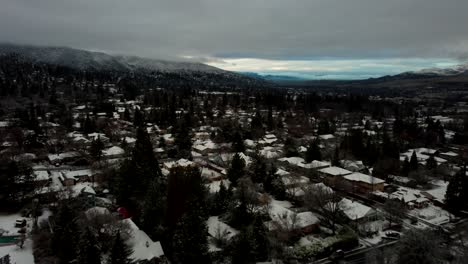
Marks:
<point>90,60</point>
<point>87,60</point>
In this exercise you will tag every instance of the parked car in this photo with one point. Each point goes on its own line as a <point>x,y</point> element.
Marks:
<point>20,222</point>
<point>338,254</point>
<point>391,234</point>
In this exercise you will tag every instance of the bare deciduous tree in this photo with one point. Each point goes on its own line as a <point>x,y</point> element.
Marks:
<point>326,202</point>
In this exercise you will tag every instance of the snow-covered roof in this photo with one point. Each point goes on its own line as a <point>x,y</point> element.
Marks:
<point>270,152</point>
<point>361,177</point>
<point>204,145</point>
<point>450,154</point>
<point>141,244</point>
<point>288,180</point>
<point>41,175</point>
<point>321,187</point>
<point>97,210</point>
<point>214,187</point>
<point>178,163</point>
<point>215,227</point>
<point>61,156</point>
<point>352,165</point>
<point>281,172</point>
<point>335,171</point>
<point>355,210</point>
<point>306,219</point>
<point>249,143</point>
<point>315,164</point>
<point>292,160</point>
<point>129,140</point>
<point>113,151</point>
<point>77,173</point>
<point>326,137</point>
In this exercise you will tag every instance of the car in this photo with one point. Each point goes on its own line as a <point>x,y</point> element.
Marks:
<point>392,234</point>
<point>338,254</point>
<point>20,222</point>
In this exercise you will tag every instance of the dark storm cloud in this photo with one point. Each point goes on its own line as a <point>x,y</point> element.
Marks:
<point>271,29</point>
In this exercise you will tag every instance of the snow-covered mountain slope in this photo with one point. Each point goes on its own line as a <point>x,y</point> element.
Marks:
<point>457,70</point>
<point>82,59</point>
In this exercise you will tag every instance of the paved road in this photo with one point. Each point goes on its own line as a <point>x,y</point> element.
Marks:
<point>356,256</point>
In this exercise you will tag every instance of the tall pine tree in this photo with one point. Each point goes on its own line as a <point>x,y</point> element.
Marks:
<point>237,169</point>
<point>456,196</point>
<point>88,248</point>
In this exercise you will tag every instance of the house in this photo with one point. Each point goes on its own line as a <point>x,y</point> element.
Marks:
<point>204,147</point>
<point>270,152</point>
<point>307,222</point>
<point>353,165</point>
<point>113,152</point>
<point>41,177</point>
<point>284,218</point>
<point>332,175</point>
<point>357,212</point>
<point>71,177</point>
<point>412,198</point>
<point>211,174</point>
<point>364,183</point>
<point>143,247</point>
<point>57,159</point>
<point>178,163</point>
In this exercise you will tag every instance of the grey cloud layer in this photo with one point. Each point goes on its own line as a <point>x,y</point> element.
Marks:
<point>244,28</point>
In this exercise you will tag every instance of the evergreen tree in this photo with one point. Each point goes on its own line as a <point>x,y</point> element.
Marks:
<point>138,119</point>
<point>456,196</point>
<point>190,237</point>
<point>243,248</point>
<point>270,120</point>
<point>258,169</point>
<point>336,158</point>
<point>89,126</point>
<point>16,182</point>
<point>183,141</point>
<point>222,199</point>
<point>323,127</point>
<point>290,148</point>
<point>137,173</point>
<point>120,253</point>
<point>64,236</point>
<point>413,162</point>
<point>260,240</point>
<point>153,210</point>
<point>405,169</point>
<point>146,164</point>
<point>88,250</point>
<point>237,169</point>
<point>431,163</point>
<point>274,185</point>
<point>313,152</point>
<point>185,190</point>
<point>97,146</point>
<point>238,143</point>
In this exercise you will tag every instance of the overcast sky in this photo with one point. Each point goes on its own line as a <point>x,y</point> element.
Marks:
<point>309,37</point>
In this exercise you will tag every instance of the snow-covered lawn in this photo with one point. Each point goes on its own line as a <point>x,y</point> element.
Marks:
<point>19,255</point>
<point>7,223</point>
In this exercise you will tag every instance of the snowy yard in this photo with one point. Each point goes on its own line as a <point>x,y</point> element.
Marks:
<point>17,255</point>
